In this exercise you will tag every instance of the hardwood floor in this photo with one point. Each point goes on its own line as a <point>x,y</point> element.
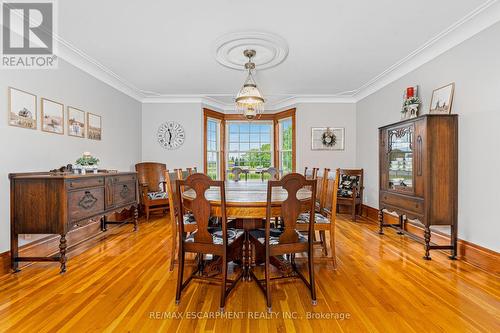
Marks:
<point>122,283</point>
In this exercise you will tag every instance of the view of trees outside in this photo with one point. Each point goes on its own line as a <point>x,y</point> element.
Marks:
<point>286,145</point>
<point>212,148</point>
<point>249,146</point>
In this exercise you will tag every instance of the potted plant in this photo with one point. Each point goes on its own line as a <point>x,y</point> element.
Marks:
<point>87,163</point>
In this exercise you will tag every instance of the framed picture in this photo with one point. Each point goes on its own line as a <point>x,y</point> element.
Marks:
<point>76,122</point>
<point>442,99</point>
<point>52,116</point>
<point>327,138</point>
<point>22,109</point>
<point>94,126</point>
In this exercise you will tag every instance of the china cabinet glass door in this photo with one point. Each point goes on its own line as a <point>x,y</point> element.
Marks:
<point>400,159</point>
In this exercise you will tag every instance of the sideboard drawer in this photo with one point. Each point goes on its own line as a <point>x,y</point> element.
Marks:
<point>415,205</point>
<point>85,203</point>
<point>124,193</point>
<point>84,182</point>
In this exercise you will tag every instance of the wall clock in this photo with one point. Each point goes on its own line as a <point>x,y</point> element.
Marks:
<point>170,135</point>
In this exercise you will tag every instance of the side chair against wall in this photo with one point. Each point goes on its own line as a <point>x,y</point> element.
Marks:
<point>326,219</point>
<point>188,219</point>
<point>286,240</point>
<point>221,241</point>
<point>350,191</point>
<point>153,195</point>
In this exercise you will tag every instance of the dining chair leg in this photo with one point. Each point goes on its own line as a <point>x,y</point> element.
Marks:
<point>311,275</point>
<point>332,246</point>
<point>322,238</point>
<point>223,284</point>
<point>180,276</point>
<point>174,245</point>
<point>268,284</point>
<point>354,210</point>
<point>147,213</point>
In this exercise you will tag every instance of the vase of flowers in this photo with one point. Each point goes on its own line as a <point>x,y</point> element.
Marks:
<point>86,163</point>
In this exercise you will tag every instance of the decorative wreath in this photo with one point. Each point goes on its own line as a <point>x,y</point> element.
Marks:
<point>328,138</point>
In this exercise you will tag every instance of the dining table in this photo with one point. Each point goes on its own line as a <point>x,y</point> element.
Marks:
<point>246,204</point>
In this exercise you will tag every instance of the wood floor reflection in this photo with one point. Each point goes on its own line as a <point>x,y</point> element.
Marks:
<point>122,283</point>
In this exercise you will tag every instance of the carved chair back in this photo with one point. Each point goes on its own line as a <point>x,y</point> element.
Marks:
<point>201,207</point>
<point>292,183</point>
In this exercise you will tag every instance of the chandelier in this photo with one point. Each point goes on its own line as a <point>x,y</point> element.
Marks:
<point>249,100</point>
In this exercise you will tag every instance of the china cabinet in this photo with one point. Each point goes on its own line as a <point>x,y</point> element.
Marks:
<point>419,174</point>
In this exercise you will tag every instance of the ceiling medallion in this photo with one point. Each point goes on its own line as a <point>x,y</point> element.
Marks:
<point>249,100</point>
<point>271,49</point>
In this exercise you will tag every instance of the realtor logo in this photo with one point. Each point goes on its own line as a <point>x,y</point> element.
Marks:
<point>28,35</point>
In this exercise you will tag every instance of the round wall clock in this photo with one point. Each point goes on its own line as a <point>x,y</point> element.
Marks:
<point>170,135</point>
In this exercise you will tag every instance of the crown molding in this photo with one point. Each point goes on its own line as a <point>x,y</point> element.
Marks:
<point>481,18</point>
<point>84,62</point>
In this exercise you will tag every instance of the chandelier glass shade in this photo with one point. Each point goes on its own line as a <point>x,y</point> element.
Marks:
<point>249,100</point>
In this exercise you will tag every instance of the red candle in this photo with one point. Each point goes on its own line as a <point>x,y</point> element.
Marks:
<point>409,92</point>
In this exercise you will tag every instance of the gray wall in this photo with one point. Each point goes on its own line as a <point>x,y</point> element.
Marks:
<point>30,150</point>
<point>474,66</point>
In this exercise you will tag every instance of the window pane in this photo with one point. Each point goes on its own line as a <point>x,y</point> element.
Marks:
<point>233,146</point>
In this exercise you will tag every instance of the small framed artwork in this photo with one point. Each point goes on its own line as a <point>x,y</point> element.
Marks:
<point>94,126</point>
<point>22,109</point>
<point>442,99</point>
<point>327,138</point>
<point>76,122</point>
<point>52,116</point>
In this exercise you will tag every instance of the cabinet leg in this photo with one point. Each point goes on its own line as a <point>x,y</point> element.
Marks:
<point>14,253</point>
<point>62,252</point>
<point>104,226</point>
<point>454,243</point>
<point>427,238</point>
<point>136,217</point>
<point>381,222</point>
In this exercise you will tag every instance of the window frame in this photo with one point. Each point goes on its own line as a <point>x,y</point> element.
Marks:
<point>223,144</point>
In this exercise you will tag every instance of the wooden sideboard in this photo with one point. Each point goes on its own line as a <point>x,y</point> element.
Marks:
<point>47,203</point>
<point>419,175</point>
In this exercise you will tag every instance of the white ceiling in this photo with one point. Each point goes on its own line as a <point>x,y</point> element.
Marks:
<point>336,47</point>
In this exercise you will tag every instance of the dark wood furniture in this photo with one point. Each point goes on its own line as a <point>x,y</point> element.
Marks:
<point>310,173</point>
<point>223,242</point>
<point>326,217</point>
<point>189,226</point>
<point>419,175</point>
<point>287,240</point>
<point>46,203</point>
<point>152,187</point>
<point>350,191</point>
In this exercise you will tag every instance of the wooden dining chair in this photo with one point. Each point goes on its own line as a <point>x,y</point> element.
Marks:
<point>286,240</point>
<point>236,172</point>
<point>188,219</point>
<point>326,219</point>
<point>221,241</point>
<point>350,191</point>
<point>153,195</point>
<point>273,173</point>
<point>310,173</point>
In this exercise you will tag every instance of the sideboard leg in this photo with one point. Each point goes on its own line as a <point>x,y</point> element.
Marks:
<point>62,252</point>
<point>136,217</point>
<point>427,238</point>
<point>401,225</point>
<point>14,253</point>
<point>104,226</point>
<point>381,222</point>
<point>454,243</point>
